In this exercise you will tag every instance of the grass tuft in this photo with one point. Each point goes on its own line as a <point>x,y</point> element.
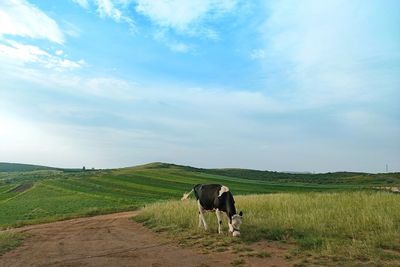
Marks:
<point>263,254</point>
<point>9,241</point>
<point>238,262</point>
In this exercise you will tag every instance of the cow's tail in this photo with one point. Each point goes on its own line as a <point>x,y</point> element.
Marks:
<point>186,195</point>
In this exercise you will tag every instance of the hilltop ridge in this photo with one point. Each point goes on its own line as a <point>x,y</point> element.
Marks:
<point>21,167</point>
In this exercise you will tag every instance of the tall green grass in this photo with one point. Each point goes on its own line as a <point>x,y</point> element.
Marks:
<point>348,226</point>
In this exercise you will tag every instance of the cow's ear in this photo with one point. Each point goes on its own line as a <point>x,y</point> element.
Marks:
<point>240,213</point>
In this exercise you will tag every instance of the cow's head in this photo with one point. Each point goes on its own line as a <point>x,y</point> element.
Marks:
<point>236,222</point>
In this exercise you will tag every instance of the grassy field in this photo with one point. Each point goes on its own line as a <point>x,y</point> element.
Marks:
<point>352,227</point>
<point>51,194</point>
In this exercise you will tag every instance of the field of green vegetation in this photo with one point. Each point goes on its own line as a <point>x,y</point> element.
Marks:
<point>349,228</point>
<point>45,194</point>
<point>32,194</point>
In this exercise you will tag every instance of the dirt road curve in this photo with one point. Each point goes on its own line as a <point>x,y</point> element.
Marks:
<point>108,240</point>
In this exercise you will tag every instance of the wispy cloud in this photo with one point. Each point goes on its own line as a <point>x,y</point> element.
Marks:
<point>177,18</point>
<point>20,18</point>
<point>106,9</point>
<point>15,53</point>
<point>20,23</point>
<point>114,9</point>
<point>185,16</point>
<point>174,19</point>
<point>82,3</point>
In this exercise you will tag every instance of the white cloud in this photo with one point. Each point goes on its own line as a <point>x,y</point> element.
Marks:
<point>184,16</point>
<point>67,64</point>
<point>20,18</point>
<point>23,53</point>
<point>107,8</point>
<point>15,53</point>
<point>113,9</point>
<point>82,3</point>
<point>174,14</point>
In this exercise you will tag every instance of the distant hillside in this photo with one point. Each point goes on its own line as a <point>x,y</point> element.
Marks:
<point>18,167</point>
<point>349,178</point>
<point>317,178</point>
<point>290,177</point>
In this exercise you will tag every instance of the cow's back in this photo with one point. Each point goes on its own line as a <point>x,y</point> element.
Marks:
<point>207,195</point>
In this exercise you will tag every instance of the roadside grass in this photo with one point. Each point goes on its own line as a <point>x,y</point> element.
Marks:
<point>9,241</point>
<point>347,227</point>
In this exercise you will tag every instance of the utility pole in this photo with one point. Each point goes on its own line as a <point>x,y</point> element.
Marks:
<point>387,168</point>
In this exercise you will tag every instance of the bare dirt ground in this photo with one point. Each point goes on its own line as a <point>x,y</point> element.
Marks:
<point>116,240</point>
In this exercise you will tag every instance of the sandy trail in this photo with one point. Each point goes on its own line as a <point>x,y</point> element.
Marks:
<point>111,240</point>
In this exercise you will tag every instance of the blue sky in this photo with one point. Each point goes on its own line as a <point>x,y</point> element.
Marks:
<point>276,85</point>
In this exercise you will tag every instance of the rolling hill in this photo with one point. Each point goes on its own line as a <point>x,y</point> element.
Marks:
<point>19,167</point>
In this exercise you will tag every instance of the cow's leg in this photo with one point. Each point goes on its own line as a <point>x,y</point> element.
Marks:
<point>200,211</point>
<point>230,228</point>
<point>201,215</point>
<point>218,213</point>
<point>230,224</point>
<point>200,221</point>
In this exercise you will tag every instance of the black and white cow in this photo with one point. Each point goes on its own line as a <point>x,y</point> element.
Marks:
<point>218,198</point>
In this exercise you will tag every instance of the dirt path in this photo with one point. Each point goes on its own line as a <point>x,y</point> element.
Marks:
<point>111,240</point>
